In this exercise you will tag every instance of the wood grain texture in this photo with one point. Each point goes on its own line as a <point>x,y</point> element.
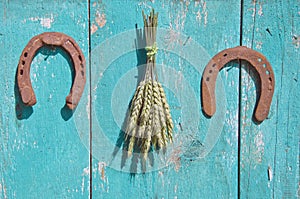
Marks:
<point>270,151</point>
<point>213,26</point>
<point>42,155</point>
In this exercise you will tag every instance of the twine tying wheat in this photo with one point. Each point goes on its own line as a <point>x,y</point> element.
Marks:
<point>149,124</point>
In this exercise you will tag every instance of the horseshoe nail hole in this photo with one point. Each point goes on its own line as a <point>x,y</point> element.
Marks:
<point>210,71</point>
<point>82,66</point>
<point>23,62</point>
<point>264,65</point>
<point>270,79</point>
<point>25,54</point>
<point>267,72</point>
<point>21,72</point>
<point>225,55</point>
<point>82,73</point>
<point>207,79</point>
<point>213,65</point>
<point>259,59</point>
<point>79,57</point>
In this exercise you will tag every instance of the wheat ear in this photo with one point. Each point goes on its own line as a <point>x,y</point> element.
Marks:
<point>168,116</point>
<point>132,122</point>
<point>146,103</point>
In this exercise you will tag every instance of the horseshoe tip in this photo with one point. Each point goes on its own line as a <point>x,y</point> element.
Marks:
<point>27,96</point>
<point>260,117</point>
<point>208,111</point>
<point>70,105</point>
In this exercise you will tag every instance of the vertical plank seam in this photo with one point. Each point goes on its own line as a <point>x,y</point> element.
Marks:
<point>240,102</point>
<point>90,102</point>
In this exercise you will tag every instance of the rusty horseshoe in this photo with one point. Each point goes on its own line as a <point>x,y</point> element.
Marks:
<point>257,61</point>
<point>51,39</point>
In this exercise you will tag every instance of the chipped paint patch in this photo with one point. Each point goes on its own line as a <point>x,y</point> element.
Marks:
<point>202,13</point>
<point>100,16</point>
<point>100,19</point>
<point>101,170</point>
<point>260,10</point>
<point>94,28</point>
<point>175,159</point>
<point>85,173</point>
<point>45,22</point>
<point>260,147</point>
<point>258,44</point>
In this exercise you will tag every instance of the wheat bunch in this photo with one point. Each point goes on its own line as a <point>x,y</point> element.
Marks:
<point>149,122</point>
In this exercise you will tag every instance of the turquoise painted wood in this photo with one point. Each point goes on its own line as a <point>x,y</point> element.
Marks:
<point>42,155</point>
<point>203,162</point>
<point>45,151</point>
<point>270,151</point>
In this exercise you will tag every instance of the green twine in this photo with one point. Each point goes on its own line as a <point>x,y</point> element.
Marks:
<point>151,51</point>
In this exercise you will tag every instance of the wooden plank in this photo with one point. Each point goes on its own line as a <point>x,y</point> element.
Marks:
<point>270,151</point>
<point>42,154</point>
<point>204,158</point>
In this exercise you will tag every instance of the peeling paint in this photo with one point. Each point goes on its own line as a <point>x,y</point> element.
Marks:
<point>260,10</point>
<point>258,44</point>
<point>202,13</point>
<point>94,28</point>
<point>260,147</point>
<point>101,170</point>
<point>175,159</point>
<point>100,19</point>
<point>45,22</point>
<point>85,173</point>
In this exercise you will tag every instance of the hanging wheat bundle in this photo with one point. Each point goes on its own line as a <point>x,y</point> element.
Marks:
<point>149,124</point>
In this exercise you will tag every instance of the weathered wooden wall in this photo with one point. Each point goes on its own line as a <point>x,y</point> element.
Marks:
<point>45,151</point>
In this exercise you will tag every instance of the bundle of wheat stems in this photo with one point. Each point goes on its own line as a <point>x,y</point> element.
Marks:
<point>149,123</point>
